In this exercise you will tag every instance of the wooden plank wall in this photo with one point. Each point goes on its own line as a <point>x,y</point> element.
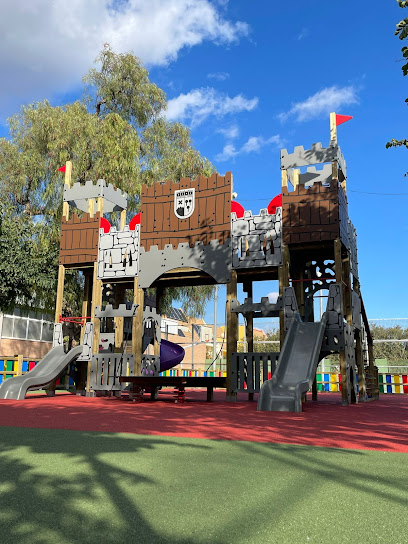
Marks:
<point>211,219</point>
<point>310,214</point>
<point>79,239</point>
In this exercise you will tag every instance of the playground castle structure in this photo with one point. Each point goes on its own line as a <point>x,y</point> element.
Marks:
<point>186,234</point>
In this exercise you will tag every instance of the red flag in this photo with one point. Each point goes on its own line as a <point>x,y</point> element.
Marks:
<point>340,119</point>
<point>62,169</point>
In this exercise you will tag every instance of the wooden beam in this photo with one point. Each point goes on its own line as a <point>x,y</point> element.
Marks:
<point>296,177</point>
<point>297,273</point>
<point>67,182</point>
<point>232,331</point>
<point>96,301</point>
<point>60,292</point>
<point>333,128</point>
<point>284,177</point>
<point>338,264</point>
<point>20,359</point>
<point>249,333</point>
<point>99,205</point>
<point>58,313</point>
<point>249,330</point>
<point>159,296</point>
<point>348,308</point>
<point>122,219</point>
<point>119,321</point>
<point>362,386</point>
<point>86,302</point>
<point>137,327</point>
<point>91,207</point>
<point>283,282</point>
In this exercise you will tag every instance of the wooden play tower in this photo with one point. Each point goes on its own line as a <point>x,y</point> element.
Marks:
<point>188,236</point>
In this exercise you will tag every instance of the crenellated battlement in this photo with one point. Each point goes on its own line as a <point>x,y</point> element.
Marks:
<point>79,195</point>
<point>213,258</point>
<point>317,154</point>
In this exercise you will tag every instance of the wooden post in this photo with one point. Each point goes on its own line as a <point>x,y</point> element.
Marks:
<point>137,327</point>
<point>99,205</point>
<point>20,359</point>
<point>283,274</point>
<point>348,308</point>
<point>333,140</point>
<point>91,207</point>
<point>86,302</point>
<point>297,273</point>
<point>249,332</point>
<point>284,177</point>
<point>60,292</point>
<point>333,128</point>
<point>159,296</point>
<point>122,219</point>
<point>296,177</point>
<point>119,321</point>
<point>362,389</point>
<point>96,301</point>
<point>58,313</point>
<point>232,331</point>
<point>314,384</point>
<point>61,270</point>
<point>339,279</point>
<point>67,182</point>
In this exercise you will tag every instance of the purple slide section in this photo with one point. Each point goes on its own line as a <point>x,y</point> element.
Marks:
<point>170,355</point>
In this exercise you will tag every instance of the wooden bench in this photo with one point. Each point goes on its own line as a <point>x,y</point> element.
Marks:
<point>154,382</point>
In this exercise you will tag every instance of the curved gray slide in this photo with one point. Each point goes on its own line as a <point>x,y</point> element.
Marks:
<point>49,368</point>
<point>296,367</point>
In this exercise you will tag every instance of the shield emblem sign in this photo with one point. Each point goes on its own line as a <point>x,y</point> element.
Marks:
<point>184,202</point>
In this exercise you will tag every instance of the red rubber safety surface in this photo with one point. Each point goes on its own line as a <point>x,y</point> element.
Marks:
<point>379,425</point>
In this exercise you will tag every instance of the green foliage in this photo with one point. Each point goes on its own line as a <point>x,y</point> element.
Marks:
<point>193,300</point>
<point>26,260</point>
<point>259,346</point>
<point>117,132</point>
<point>272,335</point>
<point>402,33</point>
<point>396,353</point>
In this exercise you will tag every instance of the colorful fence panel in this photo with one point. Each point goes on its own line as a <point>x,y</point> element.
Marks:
<point>393,383</point>
<point>193,373</point>
<point>18,365</point>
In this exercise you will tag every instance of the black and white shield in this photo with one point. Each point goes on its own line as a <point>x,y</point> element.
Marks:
<point>184,201</point>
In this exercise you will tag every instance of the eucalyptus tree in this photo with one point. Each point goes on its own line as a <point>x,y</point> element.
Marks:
<point>117,131</point>
<point>402,33</point>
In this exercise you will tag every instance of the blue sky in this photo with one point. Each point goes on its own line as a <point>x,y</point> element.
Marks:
<point>248,78</point>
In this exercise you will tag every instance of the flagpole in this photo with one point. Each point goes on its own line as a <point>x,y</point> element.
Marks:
<point>67,183</point>
<point>333,128</point>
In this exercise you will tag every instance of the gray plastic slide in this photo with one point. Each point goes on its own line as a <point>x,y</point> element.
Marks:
<point>296,367</point>
<point>49,368</point>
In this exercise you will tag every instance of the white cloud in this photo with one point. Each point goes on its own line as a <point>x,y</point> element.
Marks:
<point>322,103</point>
<point>199,104</point>
<point>48,45</point>
<point>219,76</point>
<point>303,34</point>
<point>253,145</point>
<point>230,133</point>
<point>273,297</point>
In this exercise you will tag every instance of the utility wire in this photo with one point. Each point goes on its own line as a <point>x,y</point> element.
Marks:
<point>380,194</point>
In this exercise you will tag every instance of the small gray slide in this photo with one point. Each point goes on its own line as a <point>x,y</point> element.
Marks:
<point>49,368</point>
<point>296,368</point>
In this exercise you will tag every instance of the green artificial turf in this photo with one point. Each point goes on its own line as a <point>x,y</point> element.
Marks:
<point>81,487</point>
